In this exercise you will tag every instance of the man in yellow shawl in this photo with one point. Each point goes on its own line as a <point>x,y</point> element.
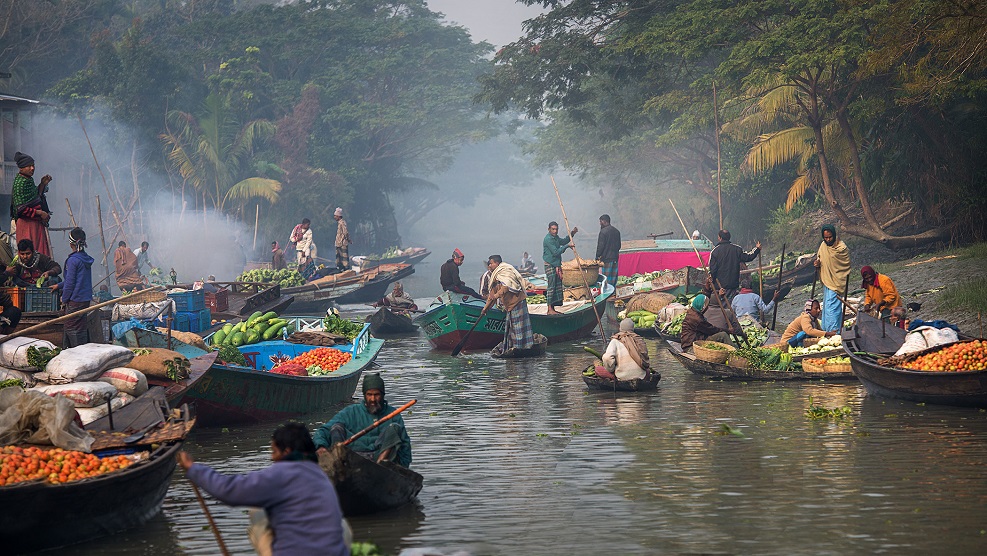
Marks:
<point>833,263</point>
<point>507,287</point>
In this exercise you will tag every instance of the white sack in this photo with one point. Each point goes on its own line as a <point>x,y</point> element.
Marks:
<point>130,381</point>
<point>27,379</point>
<point>82,394</point>
<point>90,414</point>
<point>85,362</point>
<point>13,353</point>
<point>925,337</point>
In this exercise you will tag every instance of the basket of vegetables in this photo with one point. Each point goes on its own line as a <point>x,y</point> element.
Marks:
<point>712,352</point>
<point>839,364</point>
<point>813,365</point>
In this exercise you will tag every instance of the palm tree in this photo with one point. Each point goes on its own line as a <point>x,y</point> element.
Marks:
<point>212,151</point>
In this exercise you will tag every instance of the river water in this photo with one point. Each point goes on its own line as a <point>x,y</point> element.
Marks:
<point>519,458</point>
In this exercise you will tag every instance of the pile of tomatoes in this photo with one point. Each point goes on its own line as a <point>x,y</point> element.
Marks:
<point>965,356</point>
<point>54,465</point>
<point>326,359</point>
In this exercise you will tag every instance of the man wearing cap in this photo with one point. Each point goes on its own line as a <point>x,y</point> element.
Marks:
<point>806,325</point>
<point>552,248</point>
<point>388,442</point>
<point>342,241</point>
<point>695,327</point>
<point>29,205</point>
<point>77,289</point>
<point>449,276</point>
<point>626,356</point>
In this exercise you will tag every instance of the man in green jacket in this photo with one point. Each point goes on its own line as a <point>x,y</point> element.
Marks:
<point>388,442</point>
<point>552,248</point>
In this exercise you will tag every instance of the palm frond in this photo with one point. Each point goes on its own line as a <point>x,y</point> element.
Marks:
<point>797,190</point>
<point>773,149</point>
<point>254,188</point>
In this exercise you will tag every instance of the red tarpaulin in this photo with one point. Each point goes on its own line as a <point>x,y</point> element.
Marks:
<point>650,261</point>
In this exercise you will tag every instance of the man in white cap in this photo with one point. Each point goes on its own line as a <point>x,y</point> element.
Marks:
<point>342,241</point>
<point>627,355</point>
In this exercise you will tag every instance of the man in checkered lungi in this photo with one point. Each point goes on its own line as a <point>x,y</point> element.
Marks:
<point>608,249</point>
<point>552,248</point>
<point>507,287</point>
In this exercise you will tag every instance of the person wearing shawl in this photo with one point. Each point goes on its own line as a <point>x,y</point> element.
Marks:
<point>343,241</point>
<point>882,294</point>
<point>833,262</point>
<point>527,264</point>
<point>805,325</point>
<point>301,504</point>
<point>507,287</point>
<point>29,206</point>
<point>301,236</point>
<point>696,328</point>
<point>125,265</point>
<point>29,266</point>
<point>277,257</point>
<point>626,356</point>
<point>398,299</point>
<point>552,248</point>
<point>388,442</point>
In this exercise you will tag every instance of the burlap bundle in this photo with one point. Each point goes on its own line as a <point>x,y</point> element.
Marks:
<point>653,302</point>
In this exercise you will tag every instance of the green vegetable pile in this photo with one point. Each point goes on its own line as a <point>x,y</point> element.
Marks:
<point>11,382</point>
<point>819,412</point>
<point>258,327</point>
<point>674,326</point>
<point>315,370</point>
<point>766,359</point>
<point>39,357</point>
<point>337,325</point>
<point>177,369</point>
<point>230,354</point>
<point>537,299</point>
<point>285,278</point>
<point>393,251</point>
<point>639,278</point>
<point>365,549</point>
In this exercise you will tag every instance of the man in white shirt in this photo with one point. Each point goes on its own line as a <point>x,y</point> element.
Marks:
<point>143,261</point>
<point>627,355</point>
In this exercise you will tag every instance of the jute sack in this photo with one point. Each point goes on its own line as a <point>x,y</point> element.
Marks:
<point>160,363</point>
<point>653,302</point>
<point>124,379</point>
<point>190,338</point>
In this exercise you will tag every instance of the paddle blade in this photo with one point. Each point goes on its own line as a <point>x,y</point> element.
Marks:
<point>459,346</point>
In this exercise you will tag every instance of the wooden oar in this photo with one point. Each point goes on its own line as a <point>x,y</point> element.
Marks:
<point>760,284</point>
<point>69,316</point>
<point>380,421</point>
<point>815,278</point>
<point>212,524</point>
<point>781,271</point>
<point>702,263</point>
<point>729,323</point>
<point>578,265</point>
<point>459,346</point>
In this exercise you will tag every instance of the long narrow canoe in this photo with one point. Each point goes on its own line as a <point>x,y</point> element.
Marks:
<point>646,384</point>
<point>726,372</point>
<point>229,394</point>
<point>452,315</point>
<point>960,388</point>
<point>365,486</point>
<point>389,321</point>
<point>347,287</point>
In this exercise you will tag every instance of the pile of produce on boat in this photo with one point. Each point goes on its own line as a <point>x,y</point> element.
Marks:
<point>962,356</point>
<point>334,324</point>
<point>765,359</point>
<point>674,326</point>
<point>824,344</point>
<point>791,259</point>
<point>317,362</point>
<point>822,361</point>
<point>284,278</point>
<point>640,278</point>
<point>258,327</point>
<point>55,465</point>
<point>538,299</point>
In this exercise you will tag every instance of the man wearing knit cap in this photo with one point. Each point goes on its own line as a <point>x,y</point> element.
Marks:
<point>388,442</point>
<point>342,241</point>
<point>29,206</point>
<point>449,276</point>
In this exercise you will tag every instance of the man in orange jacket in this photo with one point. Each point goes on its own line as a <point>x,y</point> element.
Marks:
<point>882,295</point>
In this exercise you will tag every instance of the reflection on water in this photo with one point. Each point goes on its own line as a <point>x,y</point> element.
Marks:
<point>518,457</point>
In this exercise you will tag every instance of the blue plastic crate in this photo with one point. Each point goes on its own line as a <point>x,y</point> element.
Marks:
<point>180,322</point>
<point>41,299</point>
<point>198,321</point>
<point>189,301</point>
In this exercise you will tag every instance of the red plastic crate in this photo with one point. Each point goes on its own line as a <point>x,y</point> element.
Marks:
<point>219,301</point>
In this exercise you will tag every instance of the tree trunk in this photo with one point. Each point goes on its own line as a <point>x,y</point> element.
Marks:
<point>858,173</point>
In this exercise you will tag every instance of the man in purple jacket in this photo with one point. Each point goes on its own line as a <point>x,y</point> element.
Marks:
<point>301,503</point>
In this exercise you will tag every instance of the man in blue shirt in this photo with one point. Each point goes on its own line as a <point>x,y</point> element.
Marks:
<point>747,302</point>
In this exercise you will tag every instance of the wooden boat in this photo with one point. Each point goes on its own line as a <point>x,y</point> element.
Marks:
<point>244,298</point>
<point>649,255</point>
<point>799,272</point>
<point>683,280</point>
<point>412,259</point>
<point>346,287</point>
<point>536,350</point>
<point>40,516</point>
<point>229,394</point>
<point>668,337</point>
<point>365,486</point>
<point>869,335</point>
<point>646,384</point>
<point>450,317</point>
<point>389,321</point>
<point>726,372</point>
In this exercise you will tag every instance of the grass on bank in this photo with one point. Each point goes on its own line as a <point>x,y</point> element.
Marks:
<point>970,295</point>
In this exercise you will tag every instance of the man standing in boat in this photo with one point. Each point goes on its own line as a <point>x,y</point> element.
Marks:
<point>449,276</point>
<point>277,257</point>
<point>833,262</point>
<point>301,236</point>
<point>507,286</point>
<point>608,249</point>
<point>342,241</point>
<point>724,263</point>
<point>388,442</point>
<point>552,248</point>
<point>29,205</point>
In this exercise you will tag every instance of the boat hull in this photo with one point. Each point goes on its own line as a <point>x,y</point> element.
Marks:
<point>536,350</point>
<point>647,384</point>
<point>366,487</point>
<point>385,322</point>
<point>39,516</point>
<point>726,372</point>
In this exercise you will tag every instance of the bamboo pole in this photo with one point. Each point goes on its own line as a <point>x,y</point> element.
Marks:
<point>102,237</point>
<point>576,253</point>
<point>716,125</point>
<point>71,216</point>
<point>256,223</point>
<point>781,272</point>
<point>212,524</point>
<point>702,264</point>
<point>760,283</point>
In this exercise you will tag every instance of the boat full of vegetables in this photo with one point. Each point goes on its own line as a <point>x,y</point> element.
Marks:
<point>767,359</point>
<point>258,327</point>
<point>642,318</point>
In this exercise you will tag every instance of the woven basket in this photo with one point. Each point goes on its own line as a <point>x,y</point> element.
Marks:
<point>783,346</point>
<point>810,368</point>
<point>809,342</point>
<point>576,276</point>
<point>738,362</point>
<point>712,355</point>
<point>837,368</point>
<point>148,296</point>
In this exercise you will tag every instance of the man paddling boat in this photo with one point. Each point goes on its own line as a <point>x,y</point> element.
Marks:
<point>507,287</point>
<point>388,442</point>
